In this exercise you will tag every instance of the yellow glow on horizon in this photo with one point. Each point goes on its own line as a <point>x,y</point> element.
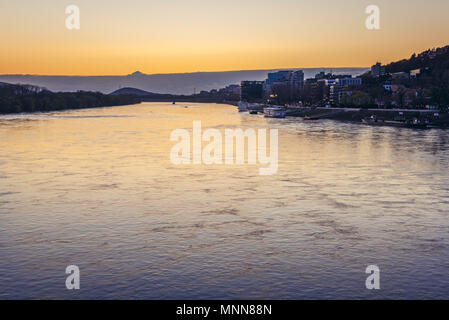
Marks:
<point>119,37</point>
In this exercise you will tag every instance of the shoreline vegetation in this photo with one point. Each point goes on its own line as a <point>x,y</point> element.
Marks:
<point>29,99</point>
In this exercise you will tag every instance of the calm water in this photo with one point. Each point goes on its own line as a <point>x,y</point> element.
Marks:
<point>96,188</point>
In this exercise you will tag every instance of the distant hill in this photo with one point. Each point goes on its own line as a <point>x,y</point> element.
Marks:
<point>433,75</point>
<point>147,96</point>
<point>133,91</point>
<point>431,59</point>
<point>177,83</point>
<point>421,81</point>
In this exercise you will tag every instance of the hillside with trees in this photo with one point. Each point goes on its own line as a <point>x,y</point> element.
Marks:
<point>435,59</point>
<point>419,81</point>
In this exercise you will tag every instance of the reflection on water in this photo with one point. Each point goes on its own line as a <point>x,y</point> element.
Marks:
<point>96,188</point>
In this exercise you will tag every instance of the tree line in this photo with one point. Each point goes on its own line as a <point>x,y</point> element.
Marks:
<point>26,98</point>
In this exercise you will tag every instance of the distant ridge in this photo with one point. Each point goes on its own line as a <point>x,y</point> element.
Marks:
<point>175,83</point>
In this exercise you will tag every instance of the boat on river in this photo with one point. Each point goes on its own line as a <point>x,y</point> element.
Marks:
<point>274,112</point>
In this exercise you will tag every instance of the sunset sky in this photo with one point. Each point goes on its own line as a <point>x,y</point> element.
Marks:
<point>171,36</point>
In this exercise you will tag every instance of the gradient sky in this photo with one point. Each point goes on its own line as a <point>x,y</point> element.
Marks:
<point>171,36</point>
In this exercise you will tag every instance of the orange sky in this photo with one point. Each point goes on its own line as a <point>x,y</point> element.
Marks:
<point>171,36</point>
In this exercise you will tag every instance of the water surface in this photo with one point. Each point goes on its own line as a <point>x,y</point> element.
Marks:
<point>96,188</point>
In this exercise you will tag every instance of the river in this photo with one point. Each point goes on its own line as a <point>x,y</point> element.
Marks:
<point>96,188</point>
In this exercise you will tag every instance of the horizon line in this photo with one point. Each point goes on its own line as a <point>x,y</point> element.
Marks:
<point>173,73</point>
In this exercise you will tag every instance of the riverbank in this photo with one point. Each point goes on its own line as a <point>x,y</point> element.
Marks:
<point>433,117</point>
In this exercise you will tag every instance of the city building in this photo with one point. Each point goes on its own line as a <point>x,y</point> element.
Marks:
<point>377,70</point>
<point>297,80</point>
<point>231,92</point>
<point>342,87</point>
<point>348,81</point>
<point>336,94</point>
<point>252,91</point>
<point>233,89</point>
<point>321,75</point>
<point>276,80</point>
<point>279,76</point>
<point>315,91</point>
